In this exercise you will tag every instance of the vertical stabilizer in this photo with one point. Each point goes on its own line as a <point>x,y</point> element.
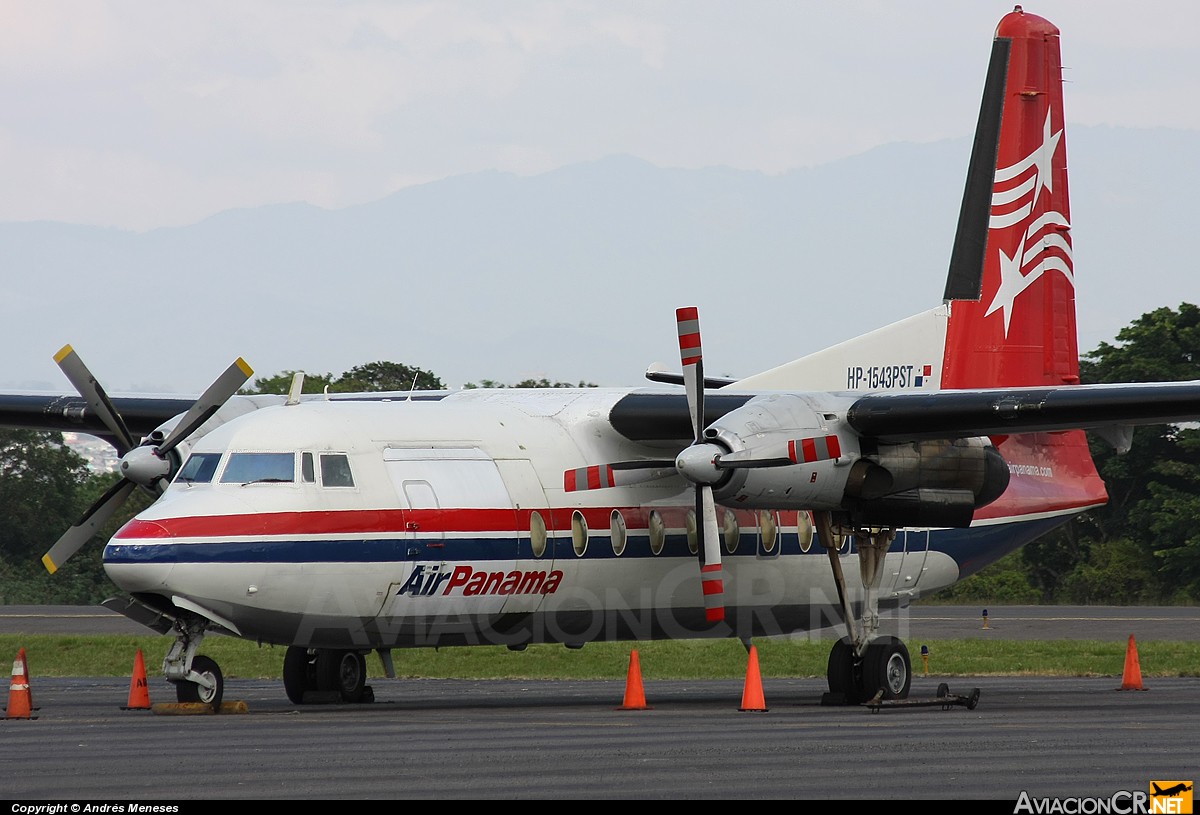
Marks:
<point>1011,287</point>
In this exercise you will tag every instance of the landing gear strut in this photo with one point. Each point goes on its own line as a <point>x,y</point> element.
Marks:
<point>863,664</point>
<point>197,678</point>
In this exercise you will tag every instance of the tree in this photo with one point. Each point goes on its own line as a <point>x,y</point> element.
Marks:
<point>528,383</point>
<point>45,487</point>
<point>372,377</point>
<point>386,376</point>
<point>39,491</point>
<point>281,383</point>
<point>1144,545</point>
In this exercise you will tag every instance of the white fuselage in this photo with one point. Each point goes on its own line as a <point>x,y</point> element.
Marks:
<point>457,529</point>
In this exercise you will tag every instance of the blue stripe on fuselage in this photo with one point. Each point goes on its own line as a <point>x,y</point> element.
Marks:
<point>972,549</point>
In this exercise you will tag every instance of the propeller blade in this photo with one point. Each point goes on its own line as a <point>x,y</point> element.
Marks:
<point>712,575</point>
<point>97,516</point>
<point>691,356</point>
<point>218,393</point>
<point>91,390</point>
<point>617,474</point>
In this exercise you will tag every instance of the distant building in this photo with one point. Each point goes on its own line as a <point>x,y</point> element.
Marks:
<point>101,457</point>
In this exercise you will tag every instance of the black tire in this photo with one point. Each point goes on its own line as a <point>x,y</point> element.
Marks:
<point>886,667</point>
<point>344,672</point>
<point>190,692</point>
<point>842,672</point>
<point>943,690</point>
<point>299,674</point>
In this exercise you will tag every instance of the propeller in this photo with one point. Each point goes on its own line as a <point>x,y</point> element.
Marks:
<point>704,463</point>
<point>693,460</point>
<point>143,465</point>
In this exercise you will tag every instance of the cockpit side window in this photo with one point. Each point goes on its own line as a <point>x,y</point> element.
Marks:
<point>335,470</point>
<point>255,468</point>
<point>307,471</point>
<point>199,468</point>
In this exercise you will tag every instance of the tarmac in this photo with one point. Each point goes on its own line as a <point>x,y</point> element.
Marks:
<point>1025,738</point>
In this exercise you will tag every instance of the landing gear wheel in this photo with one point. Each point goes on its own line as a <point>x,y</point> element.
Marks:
<point>299,674</point>
<point>843,671</point>
<point>190,692</point>
<point>886,667</point>
<point>344,672</point>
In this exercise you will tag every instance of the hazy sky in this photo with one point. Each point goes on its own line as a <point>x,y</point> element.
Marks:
<point>143,114</point>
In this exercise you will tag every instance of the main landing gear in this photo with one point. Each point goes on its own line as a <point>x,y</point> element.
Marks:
<point>325,675</point>
<point>863,664</point>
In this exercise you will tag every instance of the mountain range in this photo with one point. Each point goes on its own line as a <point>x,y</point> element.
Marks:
<point>572,275</point>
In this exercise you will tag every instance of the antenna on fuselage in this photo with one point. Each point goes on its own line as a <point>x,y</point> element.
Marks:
<point>296,388</point>
<point>413,387</point>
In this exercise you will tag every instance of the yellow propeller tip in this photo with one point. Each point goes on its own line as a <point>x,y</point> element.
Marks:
<point>49,564</point>
<point>63,353</point>
<point>246,369</point>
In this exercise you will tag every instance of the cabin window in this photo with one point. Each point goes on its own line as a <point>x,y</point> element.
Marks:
<point>579,533</point>
<point>537,533</point>
<point>307,469</point>
<point>616,527</point>
<point>804,529</point>
<point>769,530</point>
<point>335,470</point>
<point>658,532</point>
<point>732,532</point>
<point>259,468</point>
<point>199,468</point>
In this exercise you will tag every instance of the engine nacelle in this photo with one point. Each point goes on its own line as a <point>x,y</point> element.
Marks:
<point>939,482</point>
<point>936,482</point>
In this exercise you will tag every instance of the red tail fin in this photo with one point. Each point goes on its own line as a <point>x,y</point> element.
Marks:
<point>1011,288</point>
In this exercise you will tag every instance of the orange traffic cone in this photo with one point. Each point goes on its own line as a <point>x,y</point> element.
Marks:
<point>20,700</point>
<point>139,690</point>
<point>1132,680</point>
<point>752,695</point>
<point>635,696</point>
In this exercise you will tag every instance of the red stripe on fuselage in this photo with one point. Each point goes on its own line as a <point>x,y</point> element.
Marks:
<point>383,521</point>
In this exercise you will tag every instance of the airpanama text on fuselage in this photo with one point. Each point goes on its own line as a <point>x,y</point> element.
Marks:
<point>470,582</point>
<point>887,376</point>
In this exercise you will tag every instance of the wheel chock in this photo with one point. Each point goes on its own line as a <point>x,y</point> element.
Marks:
<point>197,708</point>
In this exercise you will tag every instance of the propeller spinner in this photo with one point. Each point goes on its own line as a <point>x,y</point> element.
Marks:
<point>146,465</point>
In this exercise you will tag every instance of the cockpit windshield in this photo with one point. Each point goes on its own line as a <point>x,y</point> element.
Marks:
<point>255,468</point>
<point>199,468</point>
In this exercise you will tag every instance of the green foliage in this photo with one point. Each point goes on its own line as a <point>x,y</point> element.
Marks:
<point>372,377</point>
<point>528,383</point>
<point>281,383</point>
<point>1144,545</point>
<point>1005,582</point>
<point>807,657</point>
<point>386,376</point>
<point>45,488</point>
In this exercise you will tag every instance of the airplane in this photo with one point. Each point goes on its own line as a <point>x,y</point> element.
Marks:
<point>814,495</point>
<point>1170,791</point>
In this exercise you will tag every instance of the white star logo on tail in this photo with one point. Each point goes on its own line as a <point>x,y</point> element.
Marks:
<point>1013,204</point>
